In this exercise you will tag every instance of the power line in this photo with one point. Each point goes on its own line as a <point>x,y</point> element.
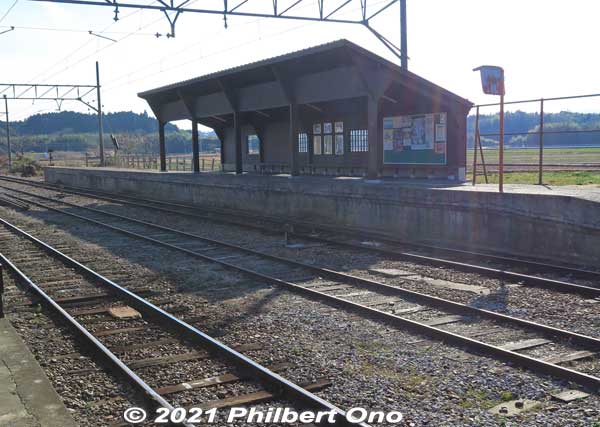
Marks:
<point>72,30</point>
<point>8,11</point>
<point>88,56</point>
<point>39,75</point>
<point>220,51</point>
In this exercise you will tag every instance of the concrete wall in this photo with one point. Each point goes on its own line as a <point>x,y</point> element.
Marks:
<point>550,227</point>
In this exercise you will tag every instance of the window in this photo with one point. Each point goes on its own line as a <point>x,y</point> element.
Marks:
<point>339,144</point>
<point>359,140</point>
<point>317,144</point>
<point>253,144</point>
<point>302,143</point>
<point>328,144</point>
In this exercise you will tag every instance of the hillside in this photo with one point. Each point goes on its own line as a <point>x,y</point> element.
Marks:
<point>520,121</point>
<point>138,133</point>
<point>71,131</point>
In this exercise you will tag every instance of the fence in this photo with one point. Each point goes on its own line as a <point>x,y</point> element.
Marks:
<point>182,163</point>
<point>557,157</point>
<point>174,163</point>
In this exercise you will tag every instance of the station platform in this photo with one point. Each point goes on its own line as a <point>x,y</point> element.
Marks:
<point>542,222</point>
<point>27,398</point>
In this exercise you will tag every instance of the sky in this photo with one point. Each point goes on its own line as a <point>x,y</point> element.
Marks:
<point>547,47</point>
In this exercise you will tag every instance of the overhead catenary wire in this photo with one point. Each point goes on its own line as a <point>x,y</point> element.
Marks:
<point>72,30</point>
<point>9,10</point>
<point>88,42</point>
<point>128,34</point>
<point>110,85</point>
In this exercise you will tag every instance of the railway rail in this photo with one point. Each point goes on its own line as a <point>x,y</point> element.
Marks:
<point>538,347</point>
<point>85,299</point>
<point>497,266</point>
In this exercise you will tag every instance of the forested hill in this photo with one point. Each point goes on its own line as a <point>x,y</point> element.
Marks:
<point>519,121</point>
<point>72,122</point>
<point>70,131</point>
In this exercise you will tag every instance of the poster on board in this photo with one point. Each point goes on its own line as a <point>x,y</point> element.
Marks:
<point>415,139</point>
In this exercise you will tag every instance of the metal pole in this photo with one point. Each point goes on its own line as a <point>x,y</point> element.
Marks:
<point>8,136</point>
<point>403,36</point>
<point>475,135</point>
<point>100,131</point>
<point>501,153</point>
<point>1,293</point>
<point>541,167</point>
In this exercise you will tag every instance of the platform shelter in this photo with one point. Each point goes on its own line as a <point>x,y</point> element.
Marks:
<point>335,109</point>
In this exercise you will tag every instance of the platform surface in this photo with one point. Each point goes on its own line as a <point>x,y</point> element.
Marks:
<point>27,398</point>
<point>585,192</point>
<point>442,213</point>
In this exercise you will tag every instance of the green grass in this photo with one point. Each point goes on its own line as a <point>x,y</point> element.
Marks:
<point>549,178</point>
<point>531,155</point>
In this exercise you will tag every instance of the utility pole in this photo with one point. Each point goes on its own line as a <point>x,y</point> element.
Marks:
<point>8,136</point>
<point>100,131</point>
<point>403,35</point>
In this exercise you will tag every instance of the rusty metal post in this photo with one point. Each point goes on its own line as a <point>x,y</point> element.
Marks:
<point>501,146</point>
<point>1,292</point>
<point>403,36</point>
<point>541,165</point>
<point>9,150</point>
<point>100,130</point>
<point>475,137</point>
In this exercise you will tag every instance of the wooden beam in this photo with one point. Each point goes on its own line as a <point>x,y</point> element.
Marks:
<point>195,147</point>
<point>220,132</point>
<point>162,146</point>
<point>285,83</point>
<point>314,107</point>
<point>188,103</point>
<point>237,126</point>
<point>262,114</point>
<point>293,139</point>
<point>374,140</point>
<point>230,94</point>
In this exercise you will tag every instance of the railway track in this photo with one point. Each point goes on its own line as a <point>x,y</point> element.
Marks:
<point>538,347</point>
<point>524,272</point>
<point>120,323</point>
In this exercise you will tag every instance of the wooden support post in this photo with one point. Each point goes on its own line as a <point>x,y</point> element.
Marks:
<point>195,147</point>
<point>501,147</point>
<point>475,138</point>
<point>293,140</point>
<point>238,142</point>
<point>162,147</point>
<point>373,131</point>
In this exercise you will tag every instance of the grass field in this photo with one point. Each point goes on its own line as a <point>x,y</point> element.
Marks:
<point>531,155</point>
<point>550,178</point>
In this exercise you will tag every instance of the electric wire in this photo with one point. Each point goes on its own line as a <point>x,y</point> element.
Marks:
<point>8,11</point>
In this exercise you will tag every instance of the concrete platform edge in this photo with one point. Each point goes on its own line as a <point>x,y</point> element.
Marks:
<point>27,398</point>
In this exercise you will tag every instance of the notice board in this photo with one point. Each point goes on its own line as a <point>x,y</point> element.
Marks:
<point>415,139</point>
